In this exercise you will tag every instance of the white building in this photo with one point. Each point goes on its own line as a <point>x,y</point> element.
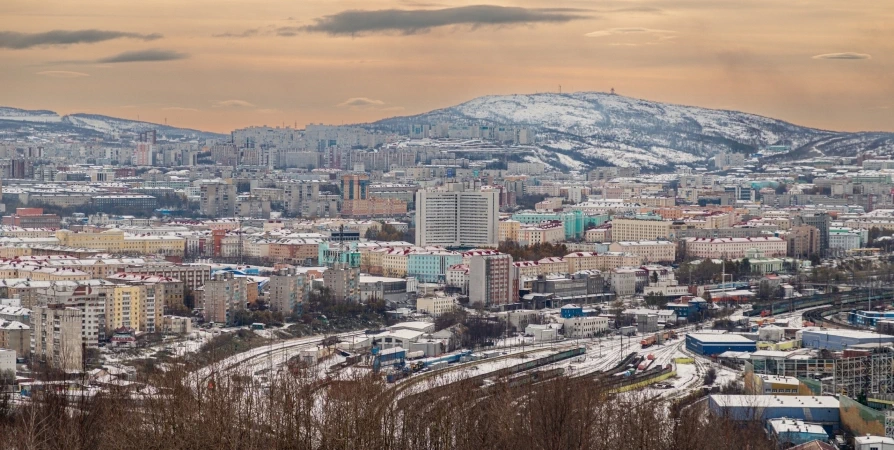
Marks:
<point>458,277</point>
<point>542,333</point>
<point>434,306</point>
<point>623,281</point>
<point>586,326</point>
<point>457,218</point>
<point>649,251</point>
<point>7,362</point>
<point>732,248</point>
<point>873,443</point>
<point>846,238</point>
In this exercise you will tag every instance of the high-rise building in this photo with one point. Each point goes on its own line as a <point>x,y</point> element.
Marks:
<point>218,200</point>
<point>821,221</point>
<point>803,241</point>
<point>57,339</point>
<point>223,295</point>
<point>343,281</point>
<point>288,290</point>
<point>491,279</point>
<point>457,218</point>
<point>354,186</point>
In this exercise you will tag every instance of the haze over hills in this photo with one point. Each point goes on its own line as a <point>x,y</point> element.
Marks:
<point>92,125</point>
<point>575,131</point>
<point>594,128</point>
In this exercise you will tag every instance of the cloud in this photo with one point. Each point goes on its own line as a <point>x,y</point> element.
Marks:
<point>246,33</point>
<point>360,102</point>
<point>406,22</point>
<point>18,41</point>
<point>635,9</point>
<point>363,103</point>
<point>179,108</point>
<point>626,32</point>
<point>143,56</point>
<point>233,104</point>
<point>845,55</point>
<point>63,74</point>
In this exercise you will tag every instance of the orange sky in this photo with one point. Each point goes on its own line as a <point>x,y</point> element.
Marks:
<point>825,63</point>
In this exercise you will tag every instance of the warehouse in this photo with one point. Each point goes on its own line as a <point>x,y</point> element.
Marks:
<point>837,340</point>
<point>710,344</point>
<point>822,410</point>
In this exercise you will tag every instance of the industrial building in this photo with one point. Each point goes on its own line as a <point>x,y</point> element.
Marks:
<point>837,340</point>
<point>710,344</point>
<point>821,410</point>
<point>788,432</point>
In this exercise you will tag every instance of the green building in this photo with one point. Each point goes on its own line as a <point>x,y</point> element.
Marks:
<point>575,222</point>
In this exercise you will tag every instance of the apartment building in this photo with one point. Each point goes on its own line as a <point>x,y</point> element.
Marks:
<point>631,229</point>
<point>457,218</point>
<point>57,338</point>
<point>218,199</point>
<point>491,280</point>
<point>287,291</point>
<point>222,296</point>
<point>649,251</point>
<point>732,248</point>
<point>434,306</point>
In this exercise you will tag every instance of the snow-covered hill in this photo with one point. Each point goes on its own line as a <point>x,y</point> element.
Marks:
<point>91,124</point>
<point>594,128</point>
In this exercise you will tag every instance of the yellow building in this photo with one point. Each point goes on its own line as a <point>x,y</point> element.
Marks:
<point>154,245</point>
<point>111,240</point>
<point>639,229</point>
<point>578,261</point>
<point>509,230</point>
<point>772,384</point>
<point>115,241</point>
<point>127,307</point>
<point>394,263</point>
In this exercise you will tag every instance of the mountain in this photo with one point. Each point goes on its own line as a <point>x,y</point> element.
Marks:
<point>588,129</point>
<point>91,125</point>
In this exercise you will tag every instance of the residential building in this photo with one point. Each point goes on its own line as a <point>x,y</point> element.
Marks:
<point>821,221</point>
<point>430,266</point>
<point>434,305</point>
<point>218,199</point>
<point>623,281</point>
<point>224,295</point>
<point>57,337</point>
<point>649,251</point>
<point>733,248</point>
<point>457,218</point>
<point>543,233</point>
<point>640,229</point>
<point>32,218</point>
<point>803,241</point>
<point>193,275</point>
<point>15,335</point>
<point>7,365</point>
<point>491,280</point>
<point>287,291</point>
<point>343,281</point>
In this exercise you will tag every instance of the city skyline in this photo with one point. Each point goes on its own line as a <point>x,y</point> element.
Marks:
<point>218,67</point>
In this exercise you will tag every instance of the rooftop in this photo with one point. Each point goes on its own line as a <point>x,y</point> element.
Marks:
<point>717,338</point>
<point>783,401</point>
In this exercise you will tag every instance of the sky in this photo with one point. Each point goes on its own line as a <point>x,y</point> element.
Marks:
<point>218,65</point>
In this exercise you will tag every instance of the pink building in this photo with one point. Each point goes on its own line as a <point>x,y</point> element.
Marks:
<point>732,248</point>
